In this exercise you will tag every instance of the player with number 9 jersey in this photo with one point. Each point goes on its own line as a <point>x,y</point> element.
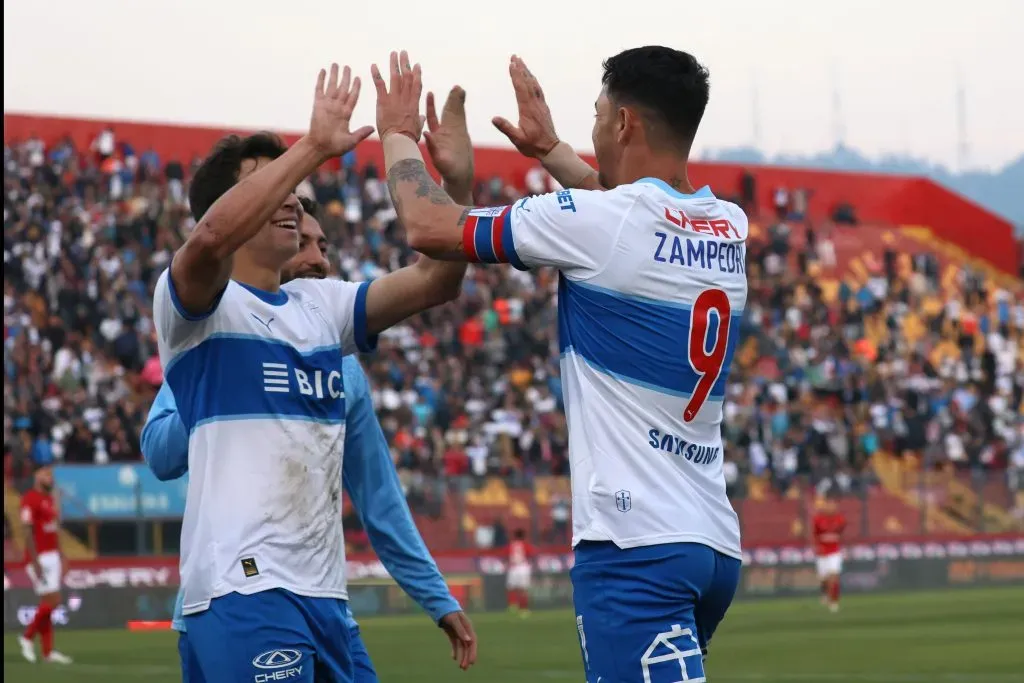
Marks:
<point>652,284</point>
<point>651,288</point>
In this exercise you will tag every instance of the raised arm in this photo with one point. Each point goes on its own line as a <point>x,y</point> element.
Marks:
<point>201,268</point>
<point>567,229</point>
<point>430,282</point>
<point>164,438</point>
<point>535,135</point>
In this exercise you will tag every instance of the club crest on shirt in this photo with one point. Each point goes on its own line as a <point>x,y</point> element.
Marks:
<point>315,308</point>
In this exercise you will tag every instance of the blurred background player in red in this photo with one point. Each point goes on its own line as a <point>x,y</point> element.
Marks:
<point>827,527</point>
<point>520,553</point>
<point>39,512</point>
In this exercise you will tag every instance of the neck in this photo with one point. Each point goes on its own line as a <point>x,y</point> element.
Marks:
<point>267,279</point>
<point>668,167</point>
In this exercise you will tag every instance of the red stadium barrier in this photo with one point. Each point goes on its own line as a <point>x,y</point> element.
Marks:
<point>888,199</point>
<point>142,571</point>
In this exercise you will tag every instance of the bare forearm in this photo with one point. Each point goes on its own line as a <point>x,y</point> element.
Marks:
<point>202,266</point>
<point>427,283</point>
<point>411,290</point>
<point>460,192</point>
<point>432,220</point>
<point>569,169</point>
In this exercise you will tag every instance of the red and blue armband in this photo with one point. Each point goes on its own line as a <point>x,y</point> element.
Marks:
<point>487,237</point>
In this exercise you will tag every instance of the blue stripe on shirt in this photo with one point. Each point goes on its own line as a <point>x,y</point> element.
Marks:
<point>231,377</point>
<point>369,477</point>
<point>637,340</point>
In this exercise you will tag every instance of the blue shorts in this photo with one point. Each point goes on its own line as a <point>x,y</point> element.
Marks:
<point>645,615</point>
<point>190,672</point>
<point>274,636</point>
<point>364,671</point>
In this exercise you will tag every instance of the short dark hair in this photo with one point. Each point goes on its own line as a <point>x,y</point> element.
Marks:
<point>671,86</point>
<point>219,171</point>
<point>311,207</point>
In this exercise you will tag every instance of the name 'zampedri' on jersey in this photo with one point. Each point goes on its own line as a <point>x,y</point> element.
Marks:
<point>652,285</point>
<point>259,387</point>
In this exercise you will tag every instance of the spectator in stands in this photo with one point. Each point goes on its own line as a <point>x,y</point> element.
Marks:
<point>902,354</point>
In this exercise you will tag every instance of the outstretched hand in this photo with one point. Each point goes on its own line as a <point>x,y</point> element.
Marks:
<point>448,140</point>
<point>398,104</point>
<point>333,103</point>
<point>535,135</point>
<point>459,630</point>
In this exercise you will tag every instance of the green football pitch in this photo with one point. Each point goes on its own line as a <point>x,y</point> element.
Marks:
<point>961,636</point>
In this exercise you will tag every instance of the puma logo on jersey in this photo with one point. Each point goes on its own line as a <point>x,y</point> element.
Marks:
<point>278,379</point>
<point>260,320</point>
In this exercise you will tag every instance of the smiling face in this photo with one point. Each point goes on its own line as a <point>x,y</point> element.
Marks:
<point>278,240</point>
<point>311,261</point>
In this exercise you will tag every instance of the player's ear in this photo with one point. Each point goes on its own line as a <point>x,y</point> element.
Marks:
<point>626,122</point>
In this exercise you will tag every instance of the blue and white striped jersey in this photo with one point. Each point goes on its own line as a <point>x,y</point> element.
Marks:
<point>259,388</point>
<point>651,289</point>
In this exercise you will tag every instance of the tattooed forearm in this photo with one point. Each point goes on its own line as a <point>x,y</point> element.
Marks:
<point>414,172</point>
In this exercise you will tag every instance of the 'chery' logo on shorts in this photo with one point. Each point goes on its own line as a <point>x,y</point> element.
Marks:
<point>276,659</point>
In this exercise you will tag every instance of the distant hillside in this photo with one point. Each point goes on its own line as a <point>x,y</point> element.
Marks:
<point>999,192</point>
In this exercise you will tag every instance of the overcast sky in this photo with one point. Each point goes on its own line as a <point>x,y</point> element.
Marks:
<point>252,63</point>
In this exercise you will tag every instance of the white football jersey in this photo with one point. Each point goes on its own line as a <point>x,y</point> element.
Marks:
<point>652,285</point>
<point>258,384</point>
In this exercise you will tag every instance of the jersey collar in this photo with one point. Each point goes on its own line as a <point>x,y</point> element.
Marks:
<point>278,298</point>
<point>702,193</point>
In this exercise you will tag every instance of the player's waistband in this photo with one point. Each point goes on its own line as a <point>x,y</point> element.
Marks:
<point>607,552</point>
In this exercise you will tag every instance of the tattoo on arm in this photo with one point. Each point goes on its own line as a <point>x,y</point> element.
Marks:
<point>458,253</point>
<point>414,171</point>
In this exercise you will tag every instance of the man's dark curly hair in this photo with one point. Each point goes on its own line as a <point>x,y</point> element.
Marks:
<point>311,207</point>
<point>219,171</point>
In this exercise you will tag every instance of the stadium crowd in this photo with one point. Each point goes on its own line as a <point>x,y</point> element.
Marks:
<point>904,360</point>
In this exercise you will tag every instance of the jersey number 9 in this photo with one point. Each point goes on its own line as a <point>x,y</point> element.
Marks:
<point>707,363</point>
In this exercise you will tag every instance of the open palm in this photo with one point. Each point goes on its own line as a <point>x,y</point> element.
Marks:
<point>535,135</point>
<point>333,103</point>
<point>448,140</point>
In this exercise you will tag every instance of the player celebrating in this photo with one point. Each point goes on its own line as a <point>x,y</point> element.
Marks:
<point>39,513</point>
<point>368,472</point>
<point>828,526</point>
<point>255,372</point>
<point>520,553</point>
<point>651,286</point>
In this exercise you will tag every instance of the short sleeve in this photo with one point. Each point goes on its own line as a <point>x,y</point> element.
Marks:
<point>174,325</point>
<point>26,513</point>
<point>345,304</point>
<point>568,230</point>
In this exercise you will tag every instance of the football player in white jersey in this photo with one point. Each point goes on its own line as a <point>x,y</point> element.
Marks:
<point>255,372</point>
<point>651,288</point>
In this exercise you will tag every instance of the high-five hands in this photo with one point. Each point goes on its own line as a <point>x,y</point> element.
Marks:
<point>398,104</point>
<point>535,135</point>
<point>448,140</point>
<point>333,103</point>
